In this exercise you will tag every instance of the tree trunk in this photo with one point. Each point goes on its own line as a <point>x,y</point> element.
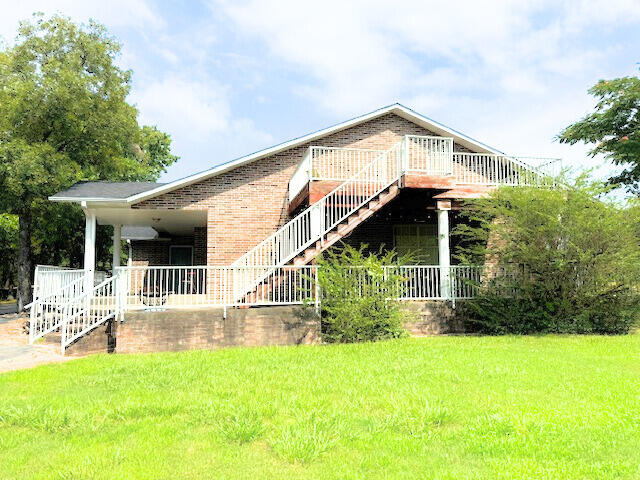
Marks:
<point>25,267</point>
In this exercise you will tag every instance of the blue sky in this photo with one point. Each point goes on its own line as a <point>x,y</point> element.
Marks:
<point>229,78</point>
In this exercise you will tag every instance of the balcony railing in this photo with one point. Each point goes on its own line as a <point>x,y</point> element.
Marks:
<point>427,155</point>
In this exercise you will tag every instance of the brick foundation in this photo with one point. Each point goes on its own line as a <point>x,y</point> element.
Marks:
<point>432,318</point>
<point>204,329</point>
<point>175,330</point>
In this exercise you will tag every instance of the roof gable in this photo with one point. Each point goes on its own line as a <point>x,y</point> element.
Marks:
<point>396,108</point>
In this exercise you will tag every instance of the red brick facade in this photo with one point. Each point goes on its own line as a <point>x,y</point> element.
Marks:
<point>248,203</point>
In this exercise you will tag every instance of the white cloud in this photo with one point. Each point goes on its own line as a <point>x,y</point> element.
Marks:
<point>518,69</point>
<point>188,108</point>
<point>198,116</point>
<point>113,13</point>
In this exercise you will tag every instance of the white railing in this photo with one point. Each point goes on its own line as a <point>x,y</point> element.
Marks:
<point>317,220</point>
<point>165,287</point>
<point>89,310</point>
<point>301,177</point>
<point>494,170</point>
<point>46,313</point>
<point>75,311</point>
<point>48,279</point>
<point>168,287</point>
<point>328,163</point>
<point>425,282</point>
<point>428,154</point>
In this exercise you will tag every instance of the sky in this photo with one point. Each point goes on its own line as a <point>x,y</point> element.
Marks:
<point>227,78</point>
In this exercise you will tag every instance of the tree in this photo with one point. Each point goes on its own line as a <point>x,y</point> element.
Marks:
<point>559,260</point>
<point>614,128</point>
<point>64,118</point>
<point>8,249</point>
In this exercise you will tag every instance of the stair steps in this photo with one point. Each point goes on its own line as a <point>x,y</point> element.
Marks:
<point>348,226</point>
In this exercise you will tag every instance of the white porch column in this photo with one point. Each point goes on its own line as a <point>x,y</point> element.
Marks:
<point>90,246</point>
<point>444,253</point>
<point>117,242</point>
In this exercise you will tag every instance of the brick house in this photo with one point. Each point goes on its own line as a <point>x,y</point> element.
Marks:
<point>246,232</point>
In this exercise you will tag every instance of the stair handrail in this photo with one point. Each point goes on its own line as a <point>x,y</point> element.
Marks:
<point>55,300</point>
<point>311,224</point>
<point>95,306</point>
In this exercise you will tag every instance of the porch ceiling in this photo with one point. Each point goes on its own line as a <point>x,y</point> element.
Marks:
<point>175,222</point>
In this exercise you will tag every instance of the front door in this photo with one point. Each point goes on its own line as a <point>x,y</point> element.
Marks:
<point>181,256</point>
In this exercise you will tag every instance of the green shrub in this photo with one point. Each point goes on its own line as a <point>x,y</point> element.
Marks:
<point>359,297</point>
<point>571,253</point>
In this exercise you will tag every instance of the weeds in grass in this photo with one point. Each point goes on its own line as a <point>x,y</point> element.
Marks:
<point>417,419</point>
<point>242,427</point>
<point>306,440</point>
<point>46,419</point>
<point>494,425</point>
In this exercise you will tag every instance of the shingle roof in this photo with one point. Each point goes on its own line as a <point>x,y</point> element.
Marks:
<point>106,190</point>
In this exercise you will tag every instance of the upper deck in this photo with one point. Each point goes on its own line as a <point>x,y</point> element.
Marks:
<point>426,162</point>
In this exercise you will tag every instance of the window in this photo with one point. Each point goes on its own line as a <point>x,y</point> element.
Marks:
<point>418,240</point>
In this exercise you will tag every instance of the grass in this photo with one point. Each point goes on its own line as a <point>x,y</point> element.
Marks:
<point>445,408</point>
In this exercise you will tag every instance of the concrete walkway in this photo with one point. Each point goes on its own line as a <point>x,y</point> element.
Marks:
<point>15,351</point>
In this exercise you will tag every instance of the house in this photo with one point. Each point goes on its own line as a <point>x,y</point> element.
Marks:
<point>246,232</point>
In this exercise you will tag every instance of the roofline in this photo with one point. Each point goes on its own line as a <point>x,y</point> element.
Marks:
<point>225,167</point>
<point>55,198</point>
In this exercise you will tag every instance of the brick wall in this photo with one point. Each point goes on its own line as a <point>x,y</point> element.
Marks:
<point>432,318</point>
<point>248,203</point>
<point>175,330</point>
<point>206,329</point>
<point>200,246</point>
<point>150,252</point>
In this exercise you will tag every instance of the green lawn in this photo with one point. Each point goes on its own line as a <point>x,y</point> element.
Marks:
<point>447,407</point>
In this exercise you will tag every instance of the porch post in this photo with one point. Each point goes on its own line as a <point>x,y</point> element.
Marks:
<point>89,247</point>
<point>444,254</point>
<point>117,241</point>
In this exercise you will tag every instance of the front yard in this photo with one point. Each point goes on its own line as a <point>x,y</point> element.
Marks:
<point>447,407</point>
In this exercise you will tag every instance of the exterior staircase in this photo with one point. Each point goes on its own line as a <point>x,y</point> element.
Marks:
<point>279,278</point>
<point>322,224</point>
<point>348,226</point>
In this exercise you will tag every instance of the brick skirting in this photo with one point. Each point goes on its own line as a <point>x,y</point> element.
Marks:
<point>203,329</point>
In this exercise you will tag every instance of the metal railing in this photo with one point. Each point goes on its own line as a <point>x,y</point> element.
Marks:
<point>74,311</point>
<point>87,311</point>
<point>47,313</point>
<point>168,287</point>
<point>165,287</point>
<point>428,154</point>
<point>48,279</point>
<point>328,163</point>
<point>495,170</point>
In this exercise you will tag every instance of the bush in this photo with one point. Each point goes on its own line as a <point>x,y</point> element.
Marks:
<point>359,297</point>
<point>558,260</point>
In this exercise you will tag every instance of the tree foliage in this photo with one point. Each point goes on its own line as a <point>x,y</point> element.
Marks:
<point>358,296</point>
<point>64,118</point>
<point>614,127</point>
<point>563,259</point>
